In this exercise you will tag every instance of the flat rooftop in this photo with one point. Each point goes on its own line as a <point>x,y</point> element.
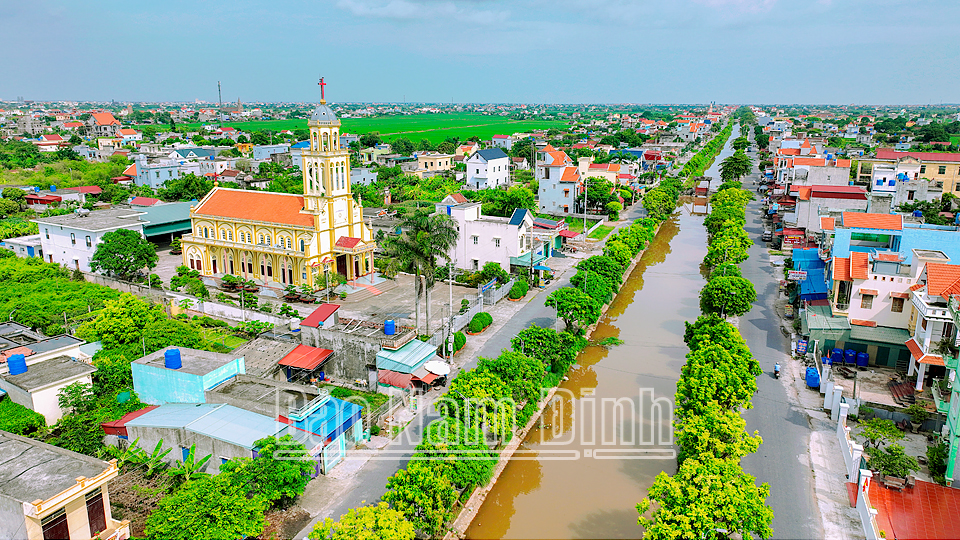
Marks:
<point>41,374</point>
<point>261,355</point>
<point>193,361</point>
<point>931,254</point>
<point>267,392</point>
<point>98,220</point>
<point>31,470</point>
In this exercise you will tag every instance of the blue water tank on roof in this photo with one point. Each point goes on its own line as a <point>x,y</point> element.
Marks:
<point>53,188</point>
<point>18,364</point>
<point>171,359</point>
<point>389,327</point>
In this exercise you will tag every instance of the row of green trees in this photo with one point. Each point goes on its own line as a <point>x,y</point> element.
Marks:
<point>661,201</point>
<point>703,158</point>
<point>711,496</point>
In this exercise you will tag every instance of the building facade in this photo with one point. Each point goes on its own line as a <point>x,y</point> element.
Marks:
<point>488,168</point>
<point>72,239</point>
<point>283,238</point>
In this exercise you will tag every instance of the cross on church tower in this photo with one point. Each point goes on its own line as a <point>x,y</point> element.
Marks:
<point>322,84</point>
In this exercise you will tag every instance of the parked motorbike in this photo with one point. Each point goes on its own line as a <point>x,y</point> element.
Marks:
<point>776,371</point>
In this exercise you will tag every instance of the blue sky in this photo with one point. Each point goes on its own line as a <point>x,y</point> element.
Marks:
<point>534,51</point>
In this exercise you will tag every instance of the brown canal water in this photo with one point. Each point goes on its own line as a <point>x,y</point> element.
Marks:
<point>568,483</point>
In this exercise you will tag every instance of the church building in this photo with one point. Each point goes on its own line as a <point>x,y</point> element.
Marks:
<point>284,239</point>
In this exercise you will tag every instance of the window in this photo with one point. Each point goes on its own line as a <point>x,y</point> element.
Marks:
<point>910,195</point>
<point>73,239</point>
<point>55,526</point>
<point>303,248</point>
<point>47,231</point>
<point>230,236</point>
<point>496,242</point>
<point>476,239</point>
<point>866,301</point>
<point>956,187</point>
<point>476,264</point>
<point>880,182</point>
<point>897,305</point>
<point>95,514</point>
<point>923,169</point>
<point>206,232</point>
<point>942,169</point>
<point>89,242</point>
<point>261,238</point>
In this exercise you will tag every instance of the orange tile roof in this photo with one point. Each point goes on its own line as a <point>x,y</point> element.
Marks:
<point>105,119</point>
<point>917,287</point>
<point>869,292</point>
<point>805,193</point>
<point>549,148</point>
<point>859,220</point>
<point>889,257</point>
<point>826,223</point>
<point>805,144</point>
<point>914,348</point>
<point>858,265</point>
<point>843,163</point>
<point>558,158</point>
<point>459,197</point>
<point>570,174</point>
<point>841,269</point>
<point>943,279</point>
<point>131,170</point>
<point>817,162</point>
<point>932,359</point>
<point>281,208</point>
<point>126,131</point>
<point>862,322</point>
<point>789,151</point>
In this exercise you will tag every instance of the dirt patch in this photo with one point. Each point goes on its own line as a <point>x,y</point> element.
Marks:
<point>284,523</point>
<point>135,497</point>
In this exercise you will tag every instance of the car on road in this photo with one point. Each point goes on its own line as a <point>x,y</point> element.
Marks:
<point>766,236</point>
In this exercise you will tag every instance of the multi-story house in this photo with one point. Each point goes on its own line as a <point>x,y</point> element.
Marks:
<point>49,492</point>
<point>560,182</point>
<point>502,141</point>
<point>488,168</point>
<point>940,168</point>
<point>72,239</point>
<point>129,136</point>
<point>934,338</point>
<point>102,125</point>
<point>812,201</point>
<point>430,163</point>
<point>508,241</point>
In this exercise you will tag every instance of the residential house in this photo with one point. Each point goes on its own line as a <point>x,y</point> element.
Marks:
<point>431,163</point>
<point>374,154</point>
<point>812,201</point>
<point>467,149</point>
<point>16,338</point>
<point>39,202</point>
<point>940,168</point>
<point>363,176</point>
<point>79,194</point>
<point>182,375</point>
<point>489,168</point>
<point>102,125</point>
<point>49,492</point>
<point>608,171</point>
<point>72,239</point>
<point>519,164</point>
<point>934,335</point>
<point>508,241</point>
<point>502,141</point>
<point>154,173</point>
<point>50,142</point>
<point>266,151</point>
<point>37,386</point>
<point>24,246</point>
<point>129,136</point>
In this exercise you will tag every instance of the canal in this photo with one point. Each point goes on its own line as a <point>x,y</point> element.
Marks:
<point>552,492</point>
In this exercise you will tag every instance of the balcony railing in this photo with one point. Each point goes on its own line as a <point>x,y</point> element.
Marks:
<point>252,247</point>
<point>930,311</point>
<point>943,404</point>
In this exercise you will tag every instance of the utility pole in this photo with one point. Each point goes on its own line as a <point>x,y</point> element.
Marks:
<point>219,110</point>
<point>450,321</point>
<point>585,179</point>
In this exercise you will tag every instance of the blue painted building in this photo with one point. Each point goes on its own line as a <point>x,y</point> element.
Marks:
<point>860,232</point>
<point>24,246</point>
<point>158,379</point>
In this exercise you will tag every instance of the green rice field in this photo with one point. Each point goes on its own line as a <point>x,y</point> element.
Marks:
<point>433,127</point>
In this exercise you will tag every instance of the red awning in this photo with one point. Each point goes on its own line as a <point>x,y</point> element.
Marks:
<point>899,295</point>
<point>426,379</point>
<point>869,292</point>
<point>567,233</point>
<point>394,378</point>
<point>305,357</point>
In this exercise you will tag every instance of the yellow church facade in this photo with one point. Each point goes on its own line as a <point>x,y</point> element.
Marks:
<point>282,239</point>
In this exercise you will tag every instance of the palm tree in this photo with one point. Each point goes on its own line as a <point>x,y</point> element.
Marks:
<point>426,237</point>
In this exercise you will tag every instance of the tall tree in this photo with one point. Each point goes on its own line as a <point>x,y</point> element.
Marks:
<point>210,507</point>
<point>379,522</point>
<point>123,253</point>
<point>735,166</point>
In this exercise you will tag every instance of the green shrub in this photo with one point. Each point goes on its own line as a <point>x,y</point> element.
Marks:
<point>519,289</point>
<point>20,420</point>
<point>459,341</point>
<point>374,430</point>
<point>480,321</point>
<point>937,462</point>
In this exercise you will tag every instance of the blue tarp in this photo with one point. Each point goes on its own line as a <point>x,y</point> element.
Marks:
<point>815,286</point>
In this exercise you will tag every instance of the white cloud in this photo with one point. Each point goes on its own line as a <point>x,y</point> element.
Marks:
<point>468,12</point>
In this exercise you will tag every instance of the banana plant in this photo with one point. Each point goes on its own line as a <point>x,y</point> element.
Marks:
<point>189,468</point>
<point>154,462</point>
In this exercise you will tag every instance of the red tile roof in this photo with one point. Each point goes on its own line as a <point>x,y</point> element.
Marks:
<point>859,265</point>
<point>105,119</point>
<point>570,174</point>
<point>459,198</point>
<point>862,322</point>
<point>789,151</point>
<point>805,193</point>
<point>126,132</point>
<point>889,153</point>
<point>278,208</point>
<point>888,257</point>
<point>914,348</point>
<point>347,242</point>
<point>131,170</point>
<point>841,269</point>
<point>319,315</point>
<point>943,279</point>
<point>826,223</point>
<point>859,220</point>
<point>817,162</point>
<point>917,287</point>
<point>144,201</point>
<point>305,357</point>
<point>16,350</point>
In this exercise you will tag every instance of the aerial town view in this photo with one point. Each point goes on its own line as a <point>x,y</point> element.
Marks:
<point>452,269</point>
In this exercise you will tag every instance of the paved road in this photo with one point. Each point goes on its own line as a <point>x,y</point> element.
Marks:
<point>371,480</point>
<point>783,458</point>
